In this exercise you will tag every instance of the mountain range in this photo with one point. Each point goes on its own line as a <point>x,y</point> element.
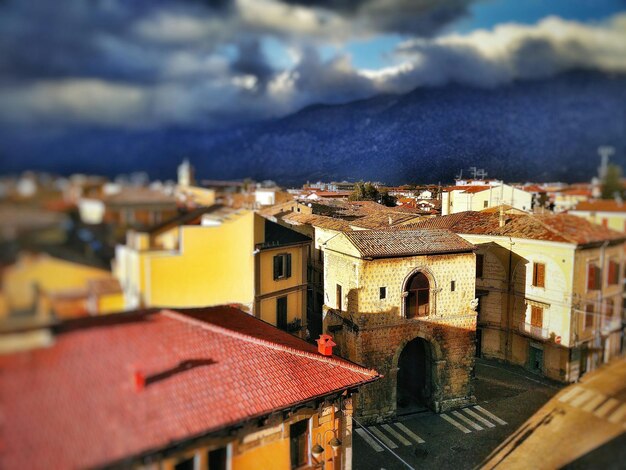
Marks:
<point>541,130</point>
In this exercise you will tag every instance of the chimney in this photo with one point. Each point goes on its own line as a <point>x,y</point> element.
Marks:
<point>502,222</point>
<point>390,220</point>
<point>139,381</point>
<point>325,345</point>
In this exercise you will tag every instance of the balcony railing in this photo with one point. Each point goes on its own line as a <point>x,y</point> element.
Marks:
<point>534,331</point>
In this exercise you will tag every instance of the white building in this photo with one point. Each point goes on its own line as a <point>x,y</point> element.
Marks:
<point>475,197</point>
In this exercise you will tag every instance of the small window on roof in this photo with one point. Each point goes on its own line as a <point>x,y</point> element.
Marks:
<point>383,293</point>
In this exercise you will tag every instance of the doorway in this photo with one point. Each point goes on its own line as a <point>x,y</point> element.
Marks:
<point>414,387</point>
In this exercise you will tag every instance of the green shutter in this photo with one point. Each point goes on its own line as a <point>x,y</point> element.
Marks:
<point>288,274</point>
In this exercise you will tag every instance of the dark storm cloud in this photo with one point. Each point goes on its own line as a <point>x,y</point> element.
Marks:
<point>159,62</point>
<point>415,17</point>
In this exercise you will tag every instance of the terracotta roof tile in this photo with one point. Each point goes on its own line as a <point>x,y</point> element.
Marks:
<point>320,221</point>
<point>564,228</point>
<point>393,243</point>
<point>601,205</point>
<point>75,403</point>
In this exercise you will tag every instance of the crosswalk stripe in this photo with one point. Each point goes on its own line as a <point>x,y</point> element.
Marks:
<point>582,398</point>
<point>594,402</point>
<point>397,435</point>
<point>618,414</point>
<point>608,406</point>
<point>465,419</point>
<point>475,415</point>
<point>455,424</point>
<point>571,393</point>
<point>367,438</point>
<point>409,433</point>
<point>381,435</point>
<point>490,415</point>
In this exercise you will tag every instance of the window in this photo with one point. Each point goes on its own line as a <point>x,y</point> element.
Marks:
<point>339,297</point>
<point>383,293</point>
<point>613,273</point>
<point>594,277</point>
<point>282,266</point>
<point>418,296</point>
<point>539,275</point>
<point>536,316</point>
<point>217,459</point>
<point>480,259</point>
<point>299,443</point>
<point>485,204</point>
<point>187,464</point>
<point>281,312</point>
<point>452,286</point>
<point>609,308</point>
<point>589,313</point>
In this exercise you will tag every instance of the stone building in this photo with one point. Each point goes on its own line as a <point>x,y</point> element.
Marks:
<point>402,301</point>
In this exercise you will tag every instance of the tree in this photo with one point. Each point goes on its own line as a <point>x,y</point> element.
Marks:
<point>368,192</point>
<point>387,199</point>
<point>612,183</point>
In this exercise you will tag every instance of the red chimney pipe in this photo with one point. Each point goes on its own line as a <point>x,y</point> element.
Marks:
<point>325,345</point>
<point>139,381</point>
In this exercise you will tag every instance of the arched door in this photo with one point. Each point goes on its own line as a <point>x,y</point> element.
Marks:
<point>414,387</point>
<point>417,302</point>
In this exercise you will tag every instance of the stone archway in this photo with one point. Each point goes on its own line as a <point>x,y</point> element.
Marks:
<point>414,379</point>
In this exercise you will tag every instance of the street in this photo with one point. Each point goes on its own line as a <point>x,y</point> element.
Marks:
<point>506,397</point>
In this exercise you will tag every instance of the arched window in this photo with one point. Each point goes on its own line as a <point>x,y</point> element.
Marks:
<point>418,296</point>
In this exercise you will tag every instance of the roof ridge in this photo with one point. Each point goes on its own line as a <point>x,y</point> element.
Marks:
<point>242,336</point>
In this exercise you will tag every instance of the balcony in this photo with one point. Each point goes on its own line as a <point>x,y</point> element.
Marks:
<point>534,331</point>
<point>611,324</point>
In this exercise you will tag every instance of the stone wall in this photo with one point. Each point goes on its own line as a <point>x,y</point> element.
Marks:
<point>374,331</point>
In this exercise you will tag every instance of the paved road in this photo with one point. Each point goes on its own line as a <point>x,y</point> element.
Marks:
<point>584,426</point>
<point>507,396</point>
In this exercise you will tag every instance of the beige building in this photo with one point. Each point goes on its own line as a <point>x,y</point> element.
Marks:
<point>550,289</point>
<point>401,300</point>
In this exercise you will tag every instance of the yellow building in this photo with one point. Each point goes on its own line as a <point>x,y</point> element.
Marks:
<point>227,257</point>
<point>205,389</point>
<point>550,289</point>
<point>609,213</point>
<point>40,285</point>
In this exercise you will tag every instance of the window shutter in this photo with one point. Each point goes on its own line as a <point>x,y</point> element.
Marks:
<point>288,270</point>
<point>591,277</point>
<point>541,275</point>
<point>277,261</point>
<point>536,316</point>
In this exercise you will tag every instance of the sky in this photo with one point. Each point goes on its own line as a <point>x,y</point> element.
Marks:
<point>200,63</point>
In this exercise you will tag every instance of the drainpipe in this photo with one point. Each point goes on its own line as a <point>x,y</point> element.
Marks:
<point>507,344</point>
<point>601,295</point>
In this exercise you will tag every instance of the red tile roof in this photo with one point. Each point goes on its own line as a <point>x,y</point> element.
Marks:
<point>74,404</point>
<point>601,205</point>
<point>564,228</point>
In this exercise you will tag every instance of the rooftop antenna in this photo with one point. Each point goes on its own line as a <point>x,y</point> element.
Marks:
<point>473,172</point>
<point>481,173</point>
<point>460,175</point>
<point>605,151</point>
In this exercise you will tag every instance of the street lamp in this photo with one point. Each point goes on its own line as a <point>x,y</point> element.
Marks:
<point>318,451</point>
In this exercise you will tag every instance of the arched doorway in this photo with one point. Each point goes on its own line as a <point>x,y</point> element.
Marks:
<point>417,300</point>
<point>414,380</point>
